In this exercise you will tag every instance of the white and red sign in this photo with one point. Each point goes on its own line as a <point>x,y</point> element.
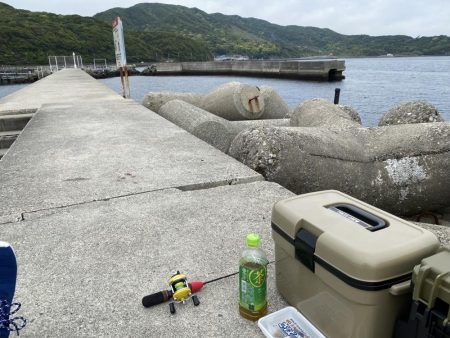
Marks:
<point>119,42</point>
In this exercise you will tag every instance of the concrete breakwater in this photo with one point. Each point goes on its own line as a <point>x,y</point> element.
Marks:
<point>325,70</point>
<point>18,75</point>
<point>401,168</point>
<point>321,70</point>
<point>212,129</point>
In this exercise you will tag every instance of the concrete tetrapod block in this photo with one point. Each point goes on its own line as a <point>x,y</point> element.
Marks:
<point>411,112</point>
<point>402,169</point>
<point>274,105</point>
<point>83,270</point>
<point>206,126</point>
<point>354,115</point>
<point>235,101</point>
<point>154,101</point>
<point>442,232</point>
<point>321,113</point>
<point>237,126</point>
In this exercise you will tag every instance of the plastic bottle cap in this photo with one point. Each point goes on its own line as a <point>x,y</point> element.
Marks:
<point>253,240</point>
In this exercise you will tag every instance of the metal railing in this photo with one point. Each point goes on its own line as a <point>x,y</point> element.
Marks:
<point>57,62</point>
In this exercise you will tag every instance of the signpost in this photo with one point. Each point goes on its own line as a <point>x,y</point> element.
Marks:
<point>121,57</point>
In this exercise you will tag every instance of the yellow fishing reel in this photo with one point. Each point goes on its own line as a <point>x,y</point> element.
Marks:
<point>181,291</point>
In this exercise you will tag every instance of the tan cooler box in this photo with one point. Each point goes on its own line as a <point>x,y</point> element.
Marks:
<point>345,264</point>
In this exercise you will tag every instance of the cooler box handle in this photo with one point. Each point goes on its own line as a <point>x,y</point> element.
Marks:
<point>362,217</point>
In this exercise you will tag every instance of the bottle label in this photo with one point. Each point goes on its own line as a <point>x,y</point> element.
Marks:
<point>252,287</point>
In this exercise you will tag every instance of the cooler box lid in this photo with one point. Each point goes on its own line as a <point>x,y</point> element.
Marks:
<point>352,239</point>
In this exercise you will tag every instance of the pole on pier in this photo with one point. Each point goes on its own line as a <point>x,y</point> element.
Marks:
<point>74,60</point>
<point>121,59</point>
<point>125,83</point>
<point>337,93</point>
<point>124,80</point>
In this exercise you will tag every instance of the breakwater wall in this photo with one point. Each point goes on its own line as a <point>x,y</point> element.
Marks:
<point>325,70</point>
<point>399,168</point>
<point>16,75</point>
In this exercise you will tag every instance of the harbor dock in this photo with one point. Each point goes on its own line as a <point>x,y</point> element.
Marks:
<point>322,70</point>
<point>103,200</point>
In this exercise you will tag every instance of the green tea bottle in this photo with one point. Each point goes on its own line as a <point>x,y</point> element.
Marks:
<point>253,280</point>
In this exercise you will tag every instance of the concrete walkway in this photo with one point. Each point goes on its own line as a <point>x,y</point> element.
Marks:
<point>103,200</point>
<point>67,86</point>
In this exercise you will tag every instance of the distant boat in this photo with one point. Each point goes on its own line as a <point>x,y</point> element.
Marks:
<point>389,55</point>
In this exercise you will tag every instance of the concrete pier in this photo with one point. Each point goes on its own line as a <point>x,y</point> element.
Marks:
<point>103,200</point>
<point>325,70</point>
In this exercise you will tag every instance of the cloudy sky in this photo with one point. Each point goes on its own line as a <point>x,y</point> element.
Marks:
<point>373,17</point>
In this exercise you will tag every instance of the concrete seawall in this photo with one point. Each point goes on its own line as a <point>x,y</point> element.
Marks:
<point>325,70</point>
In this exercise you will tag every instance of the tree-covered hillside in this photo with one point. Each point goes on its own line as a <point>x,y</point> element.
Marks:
<point>29,37</point>
<point>227,34</point>
<point>158,32</point>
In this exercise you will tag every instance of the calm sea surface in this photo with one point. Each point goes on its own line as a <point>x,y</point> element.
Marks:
<point>372,85</point>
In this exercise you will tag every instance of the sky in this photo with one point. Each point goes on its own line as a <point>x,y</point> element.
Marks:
<point>373,17</point>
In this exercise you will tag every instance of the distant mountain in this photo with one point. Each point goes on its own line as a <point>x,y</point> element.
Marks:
<point>228,34</point>
<point>157,32</point>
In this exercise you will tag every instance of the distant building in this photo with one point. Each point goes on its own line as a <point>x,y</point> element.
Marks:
<point>231,58</point>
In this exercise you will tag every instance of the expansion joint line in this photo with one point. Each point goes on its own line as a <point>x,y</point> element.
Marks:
<point>185,188</point>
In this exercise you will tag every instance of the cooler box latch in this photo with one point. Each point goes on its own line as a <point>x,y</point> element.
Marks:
<point>305,246</point>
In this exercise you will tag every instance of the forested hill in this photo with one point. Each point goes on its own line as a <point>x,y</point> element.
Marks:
<point>158,31</point>
<point>29,37</point>
<point>228,34</point>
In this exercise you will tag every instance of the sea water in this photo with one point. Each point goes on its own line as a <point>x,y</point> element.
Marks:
<point>372,85</point>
